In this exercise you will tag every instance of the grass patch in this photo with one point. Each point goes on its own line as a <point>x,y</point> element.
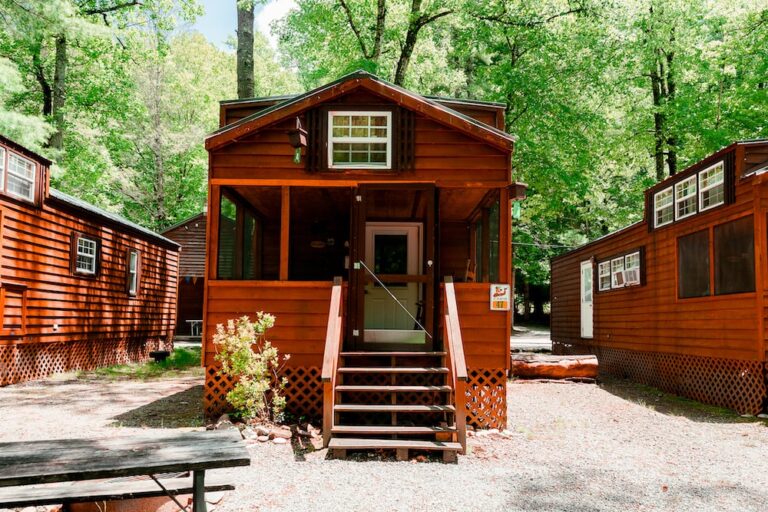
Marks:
<point>181,361</point>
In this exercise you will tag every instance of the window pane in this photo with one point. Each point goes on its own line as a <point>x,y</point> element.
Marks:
<point>617,268</point>
<point>250,247</point>
<point>693,265</point>
<point>493,238</point>
<point>604,271</point>
<point>227,238</point>
<point>685,198</point>
<point>391,254</point>
<point>735,257</point>
<point>340,120</point>
<point>664,208</point>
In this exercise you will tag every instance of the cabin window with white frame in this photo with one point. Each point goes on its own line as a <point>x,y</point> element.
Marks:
<point>685,198</point>
<point>712,187</point>
<point>617,272</point>
<point>632,269</point>
<point>360,140</point>
<point>87,255</point>
<point>2,166</point>
<point>133,272</point>
<point>604,275</point>
<point>20,177</point>
<point>663,207</point>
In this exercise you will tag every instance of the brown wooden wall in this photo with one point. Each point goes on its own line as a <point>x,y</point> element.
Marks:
<point>191,236</point>
<point>650,317</point>
<point>300,308</point>
<point>36,249</point>
<point>485,333</point>
<point>191,294</point>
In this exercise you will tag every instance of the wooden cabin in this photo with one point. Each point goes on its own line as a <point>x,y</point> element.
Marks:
<point>190,235</point>
<point>80,287</point>
<point>373,222</point>
<point>678,301</point>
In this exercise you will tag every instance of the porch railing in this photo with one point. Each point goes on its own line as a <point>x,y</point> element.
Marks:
<point>331,358</point>
<point>457,365</point>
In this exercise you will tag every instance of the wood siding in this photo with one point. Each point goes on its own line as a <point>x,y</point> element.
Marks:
<point>651,317</point>
<point>36,254</point>
<point>191,236</point>
<point>485,333</point>
<point>300,308</point>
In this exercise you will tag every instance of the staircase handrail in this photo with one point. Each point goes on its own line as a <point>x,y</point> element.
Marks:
<point>454,347</point>
<point>331,358</point>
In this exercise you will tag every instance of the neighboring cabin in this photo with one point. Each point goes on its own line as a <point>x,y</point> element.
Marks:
<point>79,287</point>
<point>678,301</point>
<point>416,189</point>
<point>190,234</point>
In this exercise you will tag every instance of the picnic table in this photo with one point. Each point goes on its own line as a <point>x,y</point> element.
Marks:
<point>24,465</point>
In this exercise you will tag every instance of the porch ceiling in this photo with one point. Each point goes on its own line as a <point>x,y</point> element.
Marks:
<point>457,204</point>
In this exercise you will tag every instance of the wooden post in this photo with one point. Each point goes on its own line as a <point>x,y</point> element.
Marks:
<point>285,219</point>
<point>198,492</point>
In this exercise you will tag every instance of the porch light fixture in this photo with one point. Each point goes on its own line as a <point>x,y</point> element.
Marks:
<point>298,139</point>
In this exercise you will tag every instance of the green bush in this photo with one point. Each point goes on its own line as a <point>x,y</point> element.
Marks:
<point>246,355</point>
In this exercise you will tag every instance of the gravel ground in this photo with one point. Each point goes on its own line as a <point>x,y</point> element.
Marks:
<point>570,447</point>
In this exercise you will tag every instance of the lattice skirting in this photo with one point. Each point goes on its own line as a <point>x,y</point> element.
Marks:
<point>487,398</point>
<point>303,393</point>
<point>30,361</point>
<point>736,384</point>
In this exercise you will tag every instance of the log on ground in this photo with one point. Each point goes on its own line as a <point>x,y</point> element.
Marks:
<point>539,366</point>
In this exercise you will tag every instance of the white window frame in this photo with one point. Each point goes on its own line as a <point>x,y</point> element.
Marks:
<point>3,153</point>
<point>720,183</point>
<point>604,265</point>
<point>656,207</point>
<point>627,269</point>
<point>32,181</point>
<point>616,271</point>
<point>133,272</point>
<point>94,258</point>
<point>679,199</point>
<point>360,140</point>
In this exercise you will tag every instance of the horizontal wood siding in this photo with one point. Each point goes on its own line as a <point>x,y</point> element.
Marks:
<point>300,308</point>
<point>483,331</point>
<point>36,254</point>
<point>191,237</point>
<point>443,155</point>
<point>650,317</point>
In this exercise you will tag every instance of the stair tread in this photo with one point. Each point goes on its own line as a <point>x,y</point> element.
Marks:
<point>388,429</point>
<point>402,389</point>
<point>389,369</point>
<point>393,408</point>
<point>349,443</point>
<point>396,354</point>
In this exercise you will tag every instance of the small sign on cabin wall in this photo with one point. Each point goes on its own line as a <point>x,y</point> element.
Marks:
<point>501,297</point>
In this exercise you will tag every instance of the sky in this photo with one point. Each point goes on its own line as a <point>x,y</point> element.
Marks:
<point>220,19</point>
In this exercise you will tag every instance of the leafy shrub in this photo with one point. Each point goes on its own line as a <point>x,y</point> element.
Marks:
<point>245,353</point>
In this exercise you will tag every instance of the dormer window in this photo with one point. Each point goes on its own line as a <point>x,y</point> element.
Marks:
<point>711,187</point>
<point>360,140</point>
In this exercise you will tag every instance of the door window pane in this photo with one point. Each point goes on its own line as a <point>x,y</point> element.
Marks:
<point>735,257</point>
<point>693,265</point>
<point>391,254</point>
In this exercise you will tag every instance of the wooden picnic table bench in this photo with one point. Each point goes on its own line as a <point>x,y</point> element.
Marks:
<point>30,470</point>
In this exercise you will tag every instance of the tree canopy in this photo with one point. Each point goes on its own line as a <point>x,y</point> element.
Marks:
<point>606,97</point>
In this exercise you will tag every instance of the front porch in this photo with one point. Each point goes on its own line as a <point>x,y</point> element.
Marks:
<point>375,257</point>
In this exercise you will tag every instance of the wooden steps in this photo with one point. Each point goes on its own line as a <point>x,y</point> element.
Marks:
<point>393,408</point>
<point>392,354</point>
<point>341,444</point>
<point>390,429</point>
<point>399,401</point>
<point>393,389</point>
<point>391,369</point>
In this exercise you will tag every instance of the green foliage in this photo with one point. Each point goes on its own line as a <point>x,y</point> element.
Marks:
<point>246,355</point>
<point>180,360</point>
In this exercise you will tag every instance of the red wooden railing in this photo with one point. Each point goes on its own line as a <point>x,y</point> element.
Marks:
<point>454,348</point>
<point>331,358</point>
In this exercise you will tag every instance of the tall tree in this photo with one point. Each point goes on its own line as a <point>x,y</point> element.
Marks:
<point>245,21</point>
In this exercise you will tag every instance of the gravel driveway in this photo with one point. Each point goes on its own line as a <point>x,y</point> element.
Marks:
<point>571,447</point>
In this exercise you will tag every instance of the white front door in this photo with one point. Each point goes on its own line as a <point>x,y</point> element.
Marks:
<point>586,299</point>
<point>392,249</point>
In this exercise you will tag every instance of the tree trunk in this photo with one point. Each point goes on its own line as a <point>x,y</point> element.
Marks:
<point>416,22</point>
<point>658,125</point>
<point>59,92</point>
<point>45,87</point>
<point>245,51</point>
<point>671,138</point>
<point>381,16</point>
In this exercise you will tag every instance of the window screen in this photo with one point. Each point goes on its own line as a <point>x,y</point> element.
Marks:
<point>227,238</point>
<point>693,265</point>
<point>735,257</point>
